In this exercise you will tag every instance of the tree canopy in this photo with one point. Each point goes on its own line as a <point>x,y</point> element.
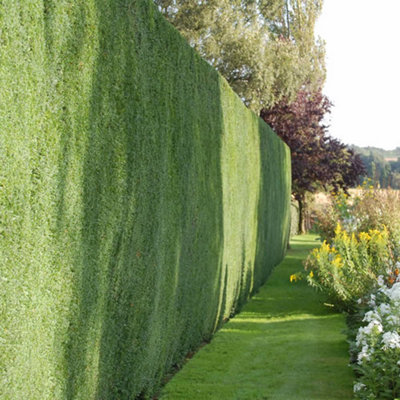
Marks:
<point>266,49</point>
<point>382,166</point>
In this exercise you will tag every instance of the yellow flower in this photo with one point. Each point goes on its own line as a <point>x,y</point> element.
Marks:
<point>294,278</point>
<point>338,229</point>
<point>337,261</point>
<point>311,275</point>
<point>325,248</point>
<point>315,252</point>
<point>364,236</point>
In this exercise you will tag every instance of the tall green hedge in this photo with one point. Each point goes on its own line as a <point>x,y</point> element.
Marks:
<point>140,201</point>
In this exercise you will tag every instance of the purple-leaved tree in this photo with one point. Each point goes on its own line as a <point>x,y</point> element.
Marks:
<point>318,160</point>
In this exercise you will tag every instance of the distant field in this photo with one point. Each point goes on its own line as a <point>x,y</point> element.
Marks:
<point>391,158</point>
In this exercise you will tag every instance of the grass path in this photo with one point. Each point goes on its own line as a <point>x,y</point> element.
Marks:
<point>285,344</point>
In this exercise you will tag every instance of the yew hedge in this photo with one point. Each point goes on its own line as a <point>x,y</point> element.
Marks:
<point>140,202</point>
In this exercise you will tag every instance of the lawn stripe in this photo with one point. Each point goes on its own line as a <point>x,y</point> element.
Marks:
<point>285,344</point>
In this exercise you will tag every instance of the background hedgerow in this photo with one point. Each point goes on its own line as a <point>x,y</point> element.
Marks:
<point>140,202</point>
<point>365,208</point>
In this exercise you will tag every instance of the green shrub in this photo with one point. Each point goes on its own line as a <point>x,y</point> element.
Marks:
<point>349,268</point>
<point>141,203</point>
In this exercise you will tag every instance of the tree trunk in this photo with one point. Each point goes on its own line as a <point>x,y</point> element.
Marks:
<point>301,214</point>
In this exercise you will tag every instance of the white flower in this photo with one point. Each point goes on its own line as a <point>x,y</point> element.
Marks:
<point>365,332</point>
<point>374,326</point>
<point>358,386</point>
<point>381,281</point>
<point>391,340</point>
<point>372,301</point>
<point>393,320</point>
<point>384,290</point>
<point>372,316</point>
<point>361,338</point>
<point>359,301</point>
<point>363,354</point>
<point>394,292</point>
<point>384,309</point>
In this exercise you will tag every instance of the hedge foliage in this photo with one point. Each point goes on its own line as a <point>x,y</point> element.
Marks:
<point>140,201</point>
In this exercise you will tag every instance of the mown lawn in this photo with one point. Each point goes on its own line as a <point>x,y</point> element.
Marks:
<point>285,344</point>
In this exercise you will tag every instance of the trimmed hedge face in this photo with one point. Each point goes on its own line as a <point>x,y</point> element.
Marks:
<point>140,201</point>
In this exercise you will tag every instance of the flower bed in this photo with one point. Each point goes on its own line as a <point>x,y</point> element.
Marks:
<point>358,267</point>
<point>377,343</point>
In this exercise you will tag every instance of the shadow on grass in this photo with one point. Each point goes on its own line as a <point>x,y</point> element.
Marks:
<point>285,344</point>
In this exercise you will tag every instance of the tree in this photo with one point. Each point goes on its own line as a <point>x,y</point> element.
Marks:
<point>317,159</point>
<point>266,49</point>
<point>382,166</point>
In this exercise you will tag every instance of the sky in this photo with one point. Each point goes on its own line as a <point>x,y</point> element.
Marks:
<point>363,70</point>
